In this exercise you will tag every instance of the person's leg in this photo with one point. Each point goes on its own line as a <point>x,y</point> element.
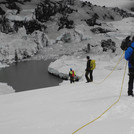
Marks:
<point>73,79</point>
<point>86,75</point>
<point>91,75</point>
<point>130,82</point>
<point>130,85</point>
<point>70,79</point>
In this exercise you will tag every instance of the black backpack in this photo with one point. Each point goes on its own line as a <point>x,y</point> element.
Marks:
<point>125,43</point>
<point>131,60</point>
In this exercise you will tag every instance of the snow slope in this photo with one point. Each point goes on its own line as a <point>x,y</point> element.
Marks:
<point>113,3</point>
<point>65,108</point>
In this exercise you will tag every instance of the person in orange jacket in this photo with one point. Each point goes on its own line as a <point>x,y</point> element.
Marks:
<point>72,75</point>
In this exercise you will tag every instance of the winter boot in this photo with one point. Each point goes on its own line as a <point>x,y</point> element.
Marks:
<point>130,93</point>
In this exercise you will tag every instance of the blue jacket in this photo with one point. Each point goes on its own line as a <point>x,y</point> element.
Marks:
<point>128,54</point>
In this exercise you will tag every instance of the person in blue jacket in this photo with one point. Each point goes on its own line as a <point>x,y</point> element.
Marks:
<point>128,54</point>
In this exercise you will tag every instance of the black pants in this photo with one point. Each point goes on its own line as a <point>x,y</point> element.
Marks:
<point>71,79</point>
<point>91,75</point>
<point>131,80</point>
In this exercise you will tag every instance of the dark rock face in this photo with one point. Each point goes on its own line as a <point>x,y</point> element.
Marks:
<point>92,21</point>
<point>132,9</point>
<point>30,26</point>
<point>2,12</point>
<point>65,23</point>
<point>108,45</point>
<point>98,30</point>
<point>122,12</point>
<point>5,25</point>
<point>13,5</point>
<point>33,25</point>
<point>61,12</point>
<point>45,10</point>
<point>85,3</point>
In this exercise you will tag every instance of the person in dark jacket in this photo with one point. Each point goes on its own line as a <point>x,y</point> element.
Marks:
<point>128,54</point>
<point>89,71</point>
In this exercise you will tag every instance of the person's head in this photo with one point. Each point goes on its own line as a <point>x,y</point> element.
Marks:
<point>88,57</point>
<point>70,69</point>
<point>128,37</point>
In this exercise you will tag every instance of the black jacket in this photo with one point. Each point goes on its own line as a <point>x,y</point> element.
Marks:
<point>88,65</point>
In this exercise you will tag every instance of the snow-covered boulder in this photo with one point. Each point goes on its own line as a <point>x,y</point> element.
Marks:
<point>61,67</point>
<point>5,89</point>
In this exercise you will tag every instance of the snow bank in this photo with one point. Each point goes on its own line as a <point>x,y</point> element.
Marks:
<point>61,67</point>
<point>112,3</point>
<point>6,89</point>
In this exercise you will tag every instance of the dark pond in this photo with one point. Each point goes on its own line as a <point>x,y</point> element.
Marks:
<point>28,75</point>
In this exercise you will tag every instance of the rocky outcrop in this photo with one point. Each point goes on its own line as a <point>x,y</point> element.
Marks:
<point>108,45</point>
<point>65,23</point>
<point>46,9</point>
<point>22,46</point>
<point>98,30</point>
<point>122,12</point>
<point>64,13</point>
<point>52,22</point>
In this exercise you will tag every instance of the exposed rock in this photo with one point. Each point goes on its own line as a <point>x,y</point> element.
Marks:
<point>93,20</point>
<point>132,9</point>
<point>122,12</point>
<point>7,26</point>
<point>108,45</point>
<point>2,12</point>
<point>45,10</point>
<point>65,23</point>
<point>58,22</point>
<point>97,30</point>
<point>85,3</point>
<point>32,26</point>
<point>13,5</point>
<point>70,36</point>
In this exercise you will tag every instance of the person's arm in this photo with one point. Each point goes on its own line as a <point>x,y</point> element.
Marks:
<point>74,73</point>
<point>128,53</point>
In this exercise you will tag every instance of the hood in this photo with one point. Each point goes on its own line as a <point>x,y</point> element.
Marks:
<point>132,44</point>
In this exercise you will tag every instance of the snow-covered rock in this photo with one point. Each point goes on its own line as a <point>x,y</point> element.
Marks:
<point>21,46</point>
<point>61,67</point>
<point>6,89</point>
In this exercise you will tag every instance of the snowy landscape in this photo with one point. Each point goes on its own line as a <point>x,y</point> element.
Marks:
<point>64,36</point>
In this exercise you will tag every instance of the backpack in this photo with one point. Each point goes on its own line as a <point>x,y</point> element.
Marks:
<point>131,60</point>
<point>92,64</point>
<point>125,43</point>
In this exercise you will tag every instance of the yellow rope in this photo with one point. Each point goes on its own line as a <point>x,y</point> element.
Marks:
<point>111,71</point>
<point>107,108</point>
